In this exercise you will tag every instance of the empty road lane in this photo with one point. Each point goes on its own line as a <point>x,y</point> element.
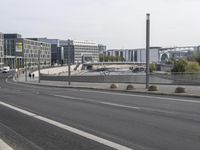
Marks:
<point>132,121</point>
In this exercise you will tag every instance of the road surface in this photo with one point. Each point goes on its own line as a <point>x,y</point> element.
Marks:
<point>33,117</point>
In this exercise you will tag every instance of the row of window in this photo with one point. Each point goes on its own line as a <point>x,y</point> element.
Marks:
<point>36,43</point>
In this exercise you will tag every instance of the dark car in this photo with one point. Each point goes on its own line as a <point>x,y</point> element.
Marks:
<point>139,69</point>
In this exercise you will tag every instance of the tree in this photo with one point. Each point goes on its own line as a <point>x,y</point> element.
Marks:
<point>180,65</point>
<point>152,67</point>
<point>110,58</point>
<point>196,57</point>
<point>192,67</point>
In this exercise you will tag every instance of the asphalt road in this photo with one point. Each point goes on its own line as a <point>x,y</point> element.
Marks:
<point>140,122</point>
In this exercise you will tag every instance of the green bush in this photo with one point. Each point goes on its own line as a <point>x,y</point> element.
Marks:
<point>180,66</point>
<point>152,67</point>
<point>192,67</point>
<point>103,58</point>
<point>196,57</point>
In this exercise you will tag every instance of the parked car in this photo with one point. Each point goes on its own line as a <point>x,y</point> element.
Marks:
<point>6,69</point>
<point>139,69</point>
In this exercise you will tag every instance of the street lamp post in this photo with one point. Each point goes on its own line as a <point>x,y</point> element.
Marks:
<point>68,62</point>
<point>25,69</point>
<point>147,48</point>
<point>39,52</point>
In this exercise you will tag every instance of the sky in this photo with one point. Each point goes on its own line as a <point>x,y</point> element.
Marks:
<point>115,23</point>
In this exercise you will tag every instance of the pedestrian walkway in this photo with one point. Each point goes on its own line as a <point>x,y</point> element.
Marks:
<point>193,91</point>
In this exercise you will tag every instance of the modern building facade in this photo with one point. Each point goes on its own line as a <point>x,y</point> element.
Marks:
<point>85,51</point>
<point>34,50</point>
<point>19,52</point>
<point>80,51</point>
<point>177,53</point>
<point>102,48</point>
<point>1,50</point>
<point>13,50</point>
<point>135,55</point>
<point>56,50</point>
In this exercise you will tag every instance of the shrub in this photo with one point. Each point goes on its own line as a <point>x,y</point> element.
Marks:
<point>192,67</point>
<point>180,66</point>
<point>196,57</point>
<point>152,67</point>
<point>113,86</point>
<point>153,88</point>
<point>180,90</point>
<point>130,87</point>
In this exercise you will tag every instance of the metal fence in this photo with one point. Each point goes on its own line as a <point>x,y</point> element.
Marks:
<point>166,78</point>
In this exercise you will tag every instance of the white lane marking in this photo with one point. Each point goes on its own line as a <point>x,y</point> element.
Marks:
<point>118,105</point>
<point>4,146</point>
<point>144,96</point>
<point>36,146</point>
<point>98,102</point>
<point>70,129</point>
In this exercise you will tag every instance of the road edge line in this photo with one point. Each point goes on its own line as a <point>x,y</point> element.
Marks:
<point>68,128</point>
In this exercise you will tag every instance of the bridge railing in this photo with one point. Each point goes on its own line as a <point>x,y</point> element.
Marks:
<point>155,78</point>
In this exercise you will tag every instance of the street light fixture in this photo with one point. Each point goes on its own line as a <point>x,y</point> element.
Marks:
<point>69,62</point>
<point>39,52</point>
<point>25,67</point>
<point>147,48</point>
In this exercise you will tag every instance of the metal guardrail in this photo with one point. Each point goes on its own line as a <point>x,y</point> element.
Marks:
<point>181,78</point>
<point>174,79</point>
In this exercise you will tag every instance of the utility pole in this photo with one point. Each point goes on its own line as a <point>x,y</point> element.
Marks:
<point>39,52</point>
<point>25,69</point>
<point>147,48</point>
<point>69,62</point>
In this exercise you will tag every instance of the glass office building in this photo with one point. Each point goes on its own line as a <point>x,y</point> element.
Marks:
<point>19,52</point>
<point>1,50</point>
<point>135,55</point>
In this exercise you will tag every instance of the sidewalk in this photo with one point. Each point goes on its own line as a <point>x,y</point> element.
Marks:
<point>192,91</point>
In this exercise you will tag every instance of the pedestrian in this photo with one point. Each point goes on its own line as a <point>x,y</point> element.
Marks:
<point>29,75</point>
<point>33,75</point>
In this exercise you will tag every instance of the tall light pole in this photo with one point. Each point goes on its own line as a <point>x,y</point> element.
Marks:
<point>69,62</point>
<point>39,52</point>
<point>147,48</point>
<point>25,69</point>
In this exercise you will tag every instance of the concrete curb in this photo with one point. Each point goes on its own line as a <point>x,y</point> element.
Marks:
<point>115,90</point>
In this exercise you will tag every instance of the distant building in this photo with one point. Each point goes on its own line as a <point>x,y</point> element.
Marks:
<point>135,55</point>
<point>80,51</point>
<point>19,52</point>
<point>33,50</point>
<point>102,48</point>
<point>1,50</point>
<point>56,50</point>
<point>13,50</point>
<point>177,53</point>
<point>85,51</point>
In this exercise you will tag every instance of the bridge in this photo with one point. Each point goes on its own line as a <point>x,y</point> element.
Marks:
<point>90,65</point>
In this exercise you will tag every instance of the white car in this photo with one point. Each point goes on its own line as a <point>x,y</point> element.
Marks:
<point>5,69</point>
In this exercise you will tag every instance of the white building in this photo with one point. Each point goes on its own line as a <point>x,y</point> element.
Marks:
<point>1,50</point>
<point>34,50</point>
<point>135,55</point>
<point>176,52</point>
<point>80,51</point>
